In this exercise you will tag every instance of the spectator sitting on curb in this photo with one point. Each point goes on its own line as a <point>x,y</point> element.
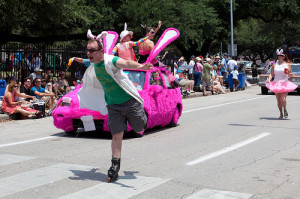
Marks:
<point>11,106</point>
<point>12,79</point>
<point>25,88</point>
<point>206,78</point>
<point>55,87</point>
<point>47,73</point>
<point>40,93</point>
<point>63,84</point>
<point>184,83</point>
<point>216,81</point>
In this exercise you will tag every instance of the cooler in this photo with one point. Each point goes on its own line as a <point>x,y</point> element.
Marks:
<point>39,106</point>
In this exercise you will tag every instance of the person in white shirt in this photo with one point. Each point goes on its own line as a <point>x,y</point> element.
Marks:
<point>191,65</point>
<point>36,74</point>
<point>231,63</point>
<point>235,79</point>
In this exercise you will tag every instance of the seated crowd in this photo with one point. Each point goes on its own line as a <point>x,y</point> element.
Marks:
<point>19,98</point>
<point>206,74</point>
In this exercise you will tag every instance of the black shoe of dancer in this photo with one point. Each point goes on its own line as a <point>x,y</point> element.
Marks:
<point>281,116</point>
<point>286,114</point>
<point>114,170</point>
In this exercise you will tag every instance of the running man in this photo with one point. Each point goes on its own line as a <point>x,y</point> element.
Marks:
<point>113,89</point>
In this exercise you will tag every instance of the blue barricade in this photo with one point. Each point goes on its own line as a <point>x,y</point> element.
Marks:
<point>2,87</point>
<point>241,78</point>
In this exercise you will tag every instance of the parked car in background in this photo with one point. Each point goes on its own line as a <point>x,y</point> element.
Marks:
<point>261,69</point>
<point>295,79</point>
<point>162,103</point>
<point>247,66</point>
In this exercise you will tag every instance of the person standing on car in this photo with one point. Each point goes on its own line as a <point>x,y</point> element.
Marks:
<point>281,85</point>
<point>107,89</point>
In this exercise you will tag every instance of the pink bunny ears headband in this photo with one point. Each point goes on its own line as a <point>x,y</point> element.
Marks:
<point>279,52</point>
<point>99,38</point>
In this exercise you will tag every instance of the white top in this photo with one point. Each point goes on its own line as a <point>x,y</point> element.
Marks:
<point>279,72</point>
<point>46,88</point>
<point>235,74</point>
<point>231,63</point>
<point>91,94</point>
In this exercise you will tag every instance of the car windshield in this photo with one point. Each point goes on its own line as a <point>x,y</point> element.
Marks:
<point>137,78</point>
<point>248,64</point>
<point>296,69</point>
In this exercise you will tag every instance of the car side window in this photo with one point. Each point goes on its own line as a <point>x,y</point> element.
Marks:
<point>155,79</point>
<point>167,81</point>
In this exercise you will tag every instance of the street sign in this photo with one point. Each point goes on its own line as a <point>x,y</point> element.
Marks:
<point>234,49</point>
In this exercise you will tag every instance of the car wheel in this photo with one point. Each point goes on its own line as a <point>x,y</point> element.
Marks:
<point>298,91</point>
<point>175,118</point>
<point>264,90</point>
<point>135,134</point>
<point>73,132</point>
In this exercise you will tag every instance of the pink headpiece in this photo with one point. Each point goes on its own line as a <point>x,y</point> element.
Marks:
<point>279,52</point>
<point>98,38</point>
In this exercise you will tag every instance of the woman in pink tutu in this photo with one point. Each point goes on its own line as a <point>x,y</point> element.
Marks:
<point>281,85</point>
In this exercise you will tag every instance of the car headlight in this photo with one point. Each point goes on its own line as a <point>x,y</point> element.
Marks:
<point>66,101</point>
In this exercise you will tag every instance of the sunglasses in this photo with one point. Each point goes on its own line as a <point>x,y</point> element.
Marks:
<point>38,81</point>
<point>16,86</point>
<point>91,50</point>
<point>28,81</point>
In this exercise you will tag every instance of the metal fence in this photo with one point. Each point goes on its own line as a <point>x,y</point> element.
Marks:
<point>20,60</point>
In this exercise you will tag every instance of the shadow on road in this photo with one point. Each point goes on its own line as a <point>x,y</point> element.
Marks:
<point>107,135</point>
<point>97,176</point>
<point>272,118</point>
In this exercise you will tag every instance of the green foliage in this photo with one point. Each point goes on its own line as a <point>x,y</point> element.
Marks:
<point>260,25</point>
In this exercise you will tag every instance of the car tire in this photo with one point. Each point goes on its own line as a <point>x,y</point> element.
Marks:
<point>73,132</point>
<point>135,134</point>
<point>298,91</point>
<point>175,118</point>
<point>264,90</point>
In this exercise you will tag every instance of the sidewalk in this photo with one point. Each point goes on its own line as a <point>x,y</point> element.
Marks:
<point>200,94</point>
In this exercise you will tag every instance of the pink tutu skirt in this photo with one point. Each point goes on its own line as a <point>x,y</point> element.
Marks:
<point>281,87</point>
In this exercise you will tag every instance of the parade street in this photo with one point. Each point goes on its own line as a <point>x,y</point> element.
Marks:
<point>224,146</point>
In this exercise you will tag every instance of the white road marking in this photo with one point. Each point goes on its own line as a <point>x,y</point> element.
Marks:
<point>126,187</point>
<point>6,159</point>
<point>228,149</point>
<point>234,102</point>
<point>26,141</point>
<point>216,194</point>
<point>39,177</point>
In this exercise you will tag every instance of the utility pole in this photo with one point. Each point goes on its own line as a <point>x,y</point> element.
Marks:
<point>231,27</point>
<point>221,50</point>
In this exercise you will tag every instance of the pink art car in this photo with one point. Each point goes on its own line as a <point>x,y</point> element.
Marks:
<point>162,103</point>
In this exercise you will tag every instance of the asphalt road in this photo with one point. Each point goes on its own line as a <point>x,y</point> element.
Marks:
<point>225,146</point>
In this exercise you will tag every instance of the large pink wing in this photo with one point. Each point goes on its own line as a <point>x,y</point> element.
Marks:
<point>109,41</point>
<point>167,37</point>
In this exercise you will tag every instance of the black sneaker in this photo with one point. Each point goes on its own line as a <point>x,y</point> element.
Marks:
<point>286,114</point>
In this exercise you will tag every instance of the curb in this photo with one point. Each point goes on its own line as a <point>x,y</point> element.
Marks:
<point>4,117</point>
<point>200,94</point>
